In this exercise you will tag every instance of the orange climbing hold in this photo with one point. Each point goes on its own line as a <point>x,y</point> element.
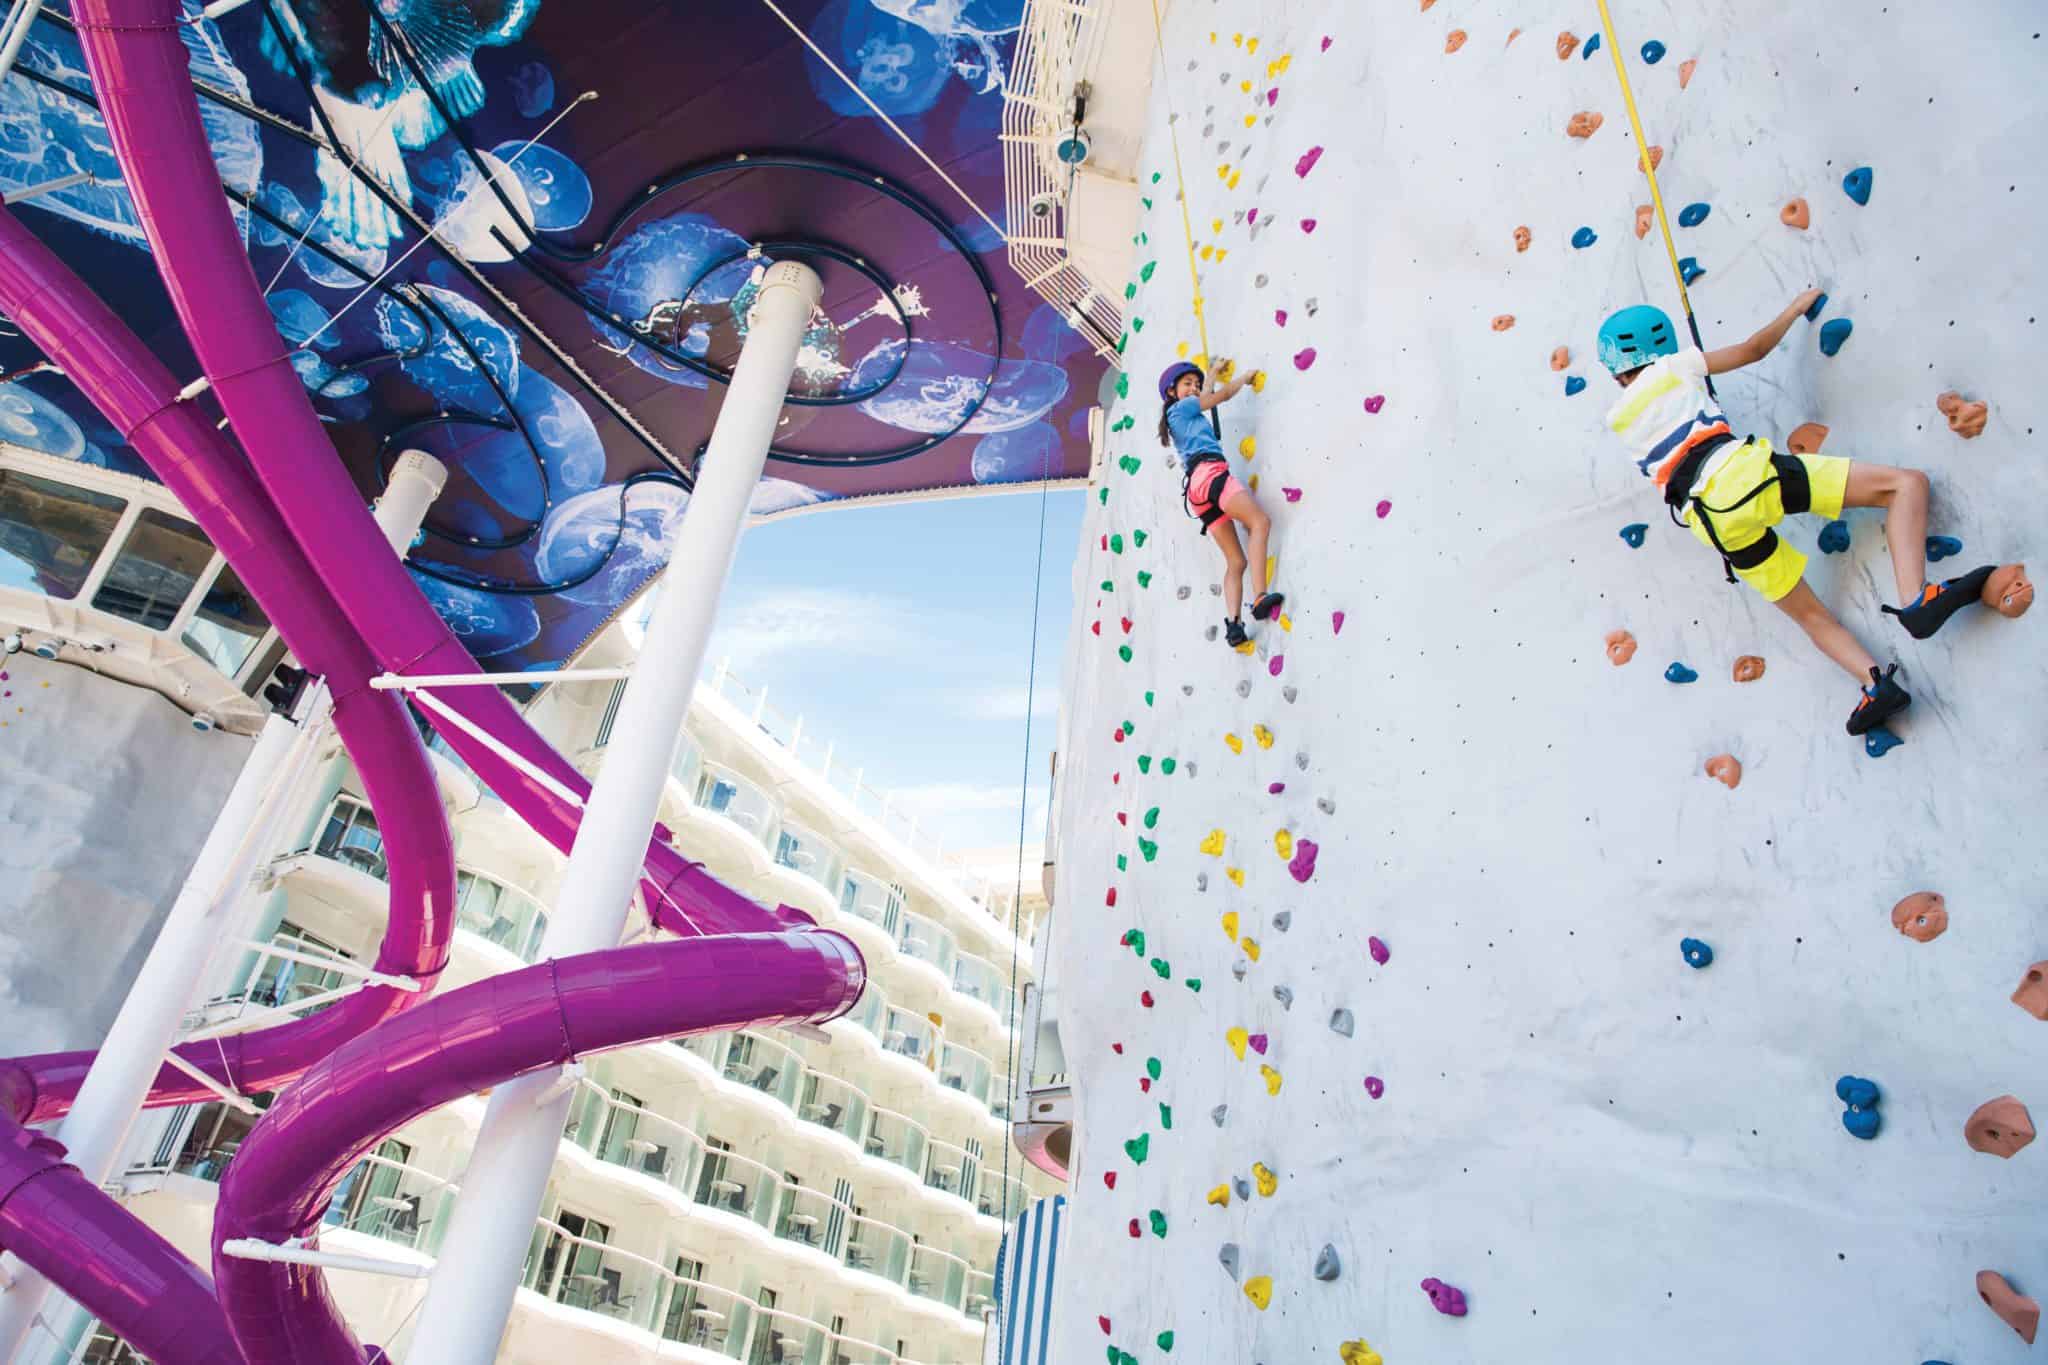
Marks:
<point>2008,591</point>
<point>1426,4</point>
<point>1513,34</point>
<point>1796,214</point>
<point>1749,667</point>
<point>1455,41</point>
<point>1725,769</point>
<point>2032,995</point>
<point>1567,43</point>
<point>1621,647</point>
<point>1965,419</point>
<point>1685,70</point>
<point>1807,438</point>
<point>1585,123</point>
<point>1560,357</point>
<point>1503,322</point>
<point>1521,239</point>
<point>1656,159</point>
<point>1646,214</point>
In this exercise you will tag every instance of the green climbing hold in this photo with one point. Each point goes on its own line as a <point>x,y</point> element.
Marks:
<point>1194,983</point>
<point>1146,202</point>
<point>1123,386</point>
<point>1116,544</point>
<point>1130,291</point>
<point>1144,577</point>
<point>1123,864</point>
<point>1136,1148</point>
<point>1144,763</point>
<point>1152,818</point>
<point>1122,342</point>
<point>1153,1067</point>
<point>1148,699</point>
<point>1161,969</point>
<point>1158,1221</point>
<point>1166,1116</point>
<point>1137,324</point>
<point>1148,848</point>
<point>1136,938</point>
<point>1166,765</point>
<point>1165,1340</point>
<point>1155,177</point>
<point>1130,728</point>
<point>1138,539</point>
<point>1130,464</point>
<point>1124,652</point>
<point>1145,274</point>
<point>1102,496</point>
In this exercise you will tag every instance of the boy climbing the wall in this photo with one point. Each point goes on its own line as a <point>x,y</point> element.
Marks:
<point>1732,492</point>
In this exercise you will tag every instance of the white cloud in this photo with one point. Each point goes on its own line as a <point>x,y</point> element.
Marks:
<point>1008,703</point>
<point>796,620</point>
<point>970,814</point>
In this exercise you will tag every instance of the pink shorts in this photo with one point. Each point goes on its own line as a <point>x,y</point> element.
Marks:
<point>1208,489</point>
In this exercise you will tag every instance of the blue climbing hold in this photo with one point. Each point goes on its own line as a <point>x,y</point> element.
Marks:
<point>1834,537</point>
<point>1856,184</point>
<point>1697,953</point>
<point>1584,238</point>
<point>1879,742</point>
<point>1592,46</point>
<point>1653,52</point>
<point>1679,673</point>
<point>1692,215</point>
<point>1941,547</point>
<point>1634,532</point>
<point>1833,333</point>
<point>1689,269</point>
<point>1813,309</point>
<point>1573,384</point>
<point>1861,1097</point>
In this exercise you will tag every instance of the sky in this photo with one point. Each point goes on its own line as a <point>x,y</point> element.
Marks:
<point>902,633</point>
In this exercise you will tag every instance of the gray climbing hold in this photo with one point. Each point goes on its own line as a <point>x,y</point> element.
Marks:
<point>1187,689</point>
<point>1239,968</point>
<point>1201,881</point>
<point>1219,1113</point>
<point>1301,759</point>
<point>1227,1258</point>
<point>1328,1267</point>
<point>1283,920</point>
<point>1237,217</point>
<point>1289,692</point>
<point>1311,307</point>
<point>1284,996</point>
<point>1189,766</point>
<point>1215,590</point>
<point>1208,130</point>
<point>1326,805</point>
<point>1259,281</point>
<point>1241,1187</point>
<point>1211,632</point>
<point>1340,1022</point>
<point>1184,592</point>
<point>1244,687</point>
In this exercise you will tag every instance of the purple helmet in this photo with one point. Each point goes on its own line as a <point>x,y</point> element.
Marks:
<point>1172,375</point>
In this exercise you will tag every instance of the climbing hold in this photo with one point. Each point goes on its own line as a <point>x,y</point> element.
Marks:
<point>1161,968</point>
<point>1646,214</point>
<point>1861,1097</point>
<point>1285,996</point>
<point>1220,1196</point>
<point>1104,1323</point>
<point>1964,419</point>
<point>1381,508</point>
<point>1138,539</point>
<point>1145,581</point>
<point>1455,41</point>
<point>1447,1299</point>
<point>1291,494</point>
<point>1328,1267</point>
<point>1573,385</point>
<point>1375,1087</point>
<point>1193,983</point>
<point>1592,46</point>
<point>1158,1222</point>
<point>2014,1309</point>
<point>1358,1353</point>
<point>1145,999</point>
<point>1806,438</point>
<point>1307,161</point>
<point>1263,736</point>
<point>1941,547</point>
<point>1689,269</point>
<point>1134,939</point>
<point>1584,238</point>
<point>1679,673</point>
<point>1634,532</point>
<point>1268,1182</point>
<point>1272,1079</point>
<point>1653,52</point>
<point>1151,818</point>
<point>1560,358</point>
<point>1621,647</point>
<point>1326,805</point>
<point>1656,159</point>
<point>2008,592</point>
<point>1230,925</point>
<point>1259,1289</point>
<point>1813,311</point>
<point>1833,333</point>
<point>1152,1067</point>
<point>1856,184</point>
<point>1341,1022</point>
<point>1237,1037</point>
<point>1136,1148</point>
<point>1521,239</point>
<point>1303,864</point>
<point>1134,1228</point>
<point>1236,744</point>
<point>1166,766</point>
<point>1796,214</point>
<point>1258,1041</point>
<point>1336,623</point>
<point>1378,949</point>
<point>1584,124</point>
<point>1258,379</point>
<point>1999,1127</point>
<point>1124,652</point>
<point>1880,741</point>
<point>1375,403</point>
<point>1692,215</point>
<point>2032,994</point>
<point>1213,843</point>
<point>1748,668</point>
<point>1697,953</point>
<point>1251,949</point>
<point>1304,358</point>
<point>1725,769</point>
<point>1227,1256</point>
<point>1115,544</point>
<point>1685,70</point>
<point>1283,844</point>
<point>1241,1187</point>
<point>1165,1340</point>
<point>1503,322</point>
<point>1219,1113</point>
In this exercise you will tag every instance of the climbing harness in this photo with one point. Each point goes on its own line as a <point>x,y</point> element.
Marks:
<point>1214,470</point>
<point>1787,470</point>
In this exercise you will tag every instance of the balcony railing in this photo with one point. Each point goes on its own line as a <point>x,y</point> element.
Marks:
<point>762,1064</point>
<point>834,1105</point>
<point>909,1035</point>
<point>898,1139</point>
<point>505,915</point>
<point>926,940</point>
<point>868,897</point>
<point>984,981</point>
<point>939,1276</point>
<point>988,1196</point>
<point>394,1202</point>
<point>965,1070</point>
<point>723,792</point>
<point>810,854</point>
<point>951,1168</point>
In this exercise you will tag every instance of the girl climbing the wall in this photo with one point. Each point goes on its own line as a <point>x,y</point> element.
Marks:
<point>1213,494</point>
<point>1732,492</point>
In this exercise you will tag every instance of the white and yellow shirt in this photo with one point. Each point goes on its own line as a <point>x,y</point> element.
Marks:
<point>1667,411</point>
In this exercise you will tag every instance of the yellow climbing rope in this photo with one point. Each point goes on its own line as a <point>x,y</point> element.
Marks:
<point>1187,226</point>
<point>1643,150</point>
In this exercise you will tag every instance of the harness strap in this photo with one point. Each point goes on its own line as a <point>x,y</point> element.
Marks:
<point>1678,494</point>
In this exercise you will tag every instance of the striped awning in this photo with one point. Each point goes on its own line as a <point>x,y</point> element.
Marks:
<point>1025,1265</point>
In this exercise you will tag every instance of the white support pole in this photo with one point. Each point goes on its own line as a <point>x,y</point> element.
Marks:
<point>470,1293</point>
<point>417,478</point>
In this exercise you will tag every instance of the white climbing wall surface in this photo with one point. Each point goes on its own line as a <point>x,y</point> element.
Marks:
<point>1614,1155</point>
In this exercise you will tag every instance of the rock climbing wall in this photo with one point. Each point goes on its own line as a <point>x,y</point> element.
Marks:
<point>1375,939</point>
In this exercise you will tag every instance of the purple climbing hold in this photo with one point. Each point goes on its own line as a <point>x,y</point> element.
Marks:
<point>1584,238</point>
<point>1303,865</point>
<point>1258,1043</point>
<point>1447,1298</point>
<point>1376,402</point>
<point>1278,662</point>
<point>1375,1087</point>
<point>1275,788</point>
<point>1378,950</point>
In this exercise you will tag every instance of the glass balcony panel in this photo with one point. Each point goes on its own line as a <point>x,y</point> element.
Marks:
<point>833,1104</point>
<point>504,915</point>
<point>848,1351</point>
<point>872,899</point>
<point>393,1202</point>
<point>869,1010</point>
<point>982,980</point>
<point>877,1249</point>
<point>952,1169</point>
<point>703,1315</point>
<point>584,1273</point>
<point>988,1196</point>
<point>937,1276</point>
<point>786,1339</point>
<point>927,941</point>
<point>709,1046</point>
<point>896,1138</point>
<point>228,625</point>
<point>809,853</point>
<point>764,1065</point>
<point>51,534</point>
<point>981,1292</point>
<point>688,767</point>
<point>908,1035</point>
<point>965,1070</point>
<point>810,1218</point>
<point>724,792</point>
<point>732,1183</point>
<point>155,571</point>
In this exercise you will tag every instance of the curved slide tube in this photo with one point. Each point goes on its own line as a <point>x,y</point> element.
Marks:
<point>547,1015</point>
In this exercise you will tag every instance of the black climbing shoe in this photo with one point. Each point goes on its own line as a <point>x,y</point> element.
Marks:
<point>1268,603</point>
<point>1882,700</point>
<point>1233,632</point>
<point>1939,602</point>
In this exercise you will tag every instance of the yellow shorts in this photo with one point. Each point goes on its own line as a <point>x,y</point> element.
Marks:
<point>1805,483</point>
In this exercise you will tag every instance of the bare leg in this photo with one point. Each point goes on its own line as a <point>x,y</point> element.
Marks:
<point>1242,506</point>
<point>1903,495</point>
<point>1830,636</point>
<point>1224,532</point>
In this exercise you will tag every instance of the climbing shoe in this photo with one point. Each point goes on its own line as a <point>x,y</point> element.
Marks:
<point>1233,632</point>
<point>1882,700</point>
<point>1940,601</point>
<point>1268,603</point>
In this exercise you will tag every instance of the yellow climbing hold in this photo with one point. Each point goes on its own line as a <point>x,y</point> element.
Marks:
<point>1225,368</point>
<point>1245,648</point>
<point>1263,736</point>
<point>1258,381</point>
<point>1235,176</point>
<point>1358,1353</point>
<point>1251,45</point>
<point>1255,483</point>
<point>1208,253</point>
<point>1221,252</point>
<point>1216,225</point>
<point>1250,119</point>
<point>1250,946</point>
<point>1213,844</point>
<point>1283,843</point>
<point>1181,350</point>
<point>1223,171</point>
<point>1287,623</point>
<point>1259,1289</point>
<point>1248,449</point>
<point>1220,1196</point>
<point>1268,1182</point>
<point>1272,1079</point>
<point>1236,875</point>
<point>1230,925</point>
<point>1202,361</point>
<point>1238,1038</point>
<point>1245,86</point>
<point>1237,39</point>
<point>1278,67</point>
<point>1236,744</point>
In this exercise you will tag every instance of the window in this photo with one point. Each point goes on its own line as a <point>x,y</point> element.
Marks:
<point>768,1342</point>
<point>368,1199</point>
<point>684,1321</point>
<point>571,1265</point>
<point>157,568</point>
<point>350,836</point>
<point>104,1348</point>
<point>228,625</point>
<point>216,1134</point>
<point>51,533</point>
<point>281,981</point>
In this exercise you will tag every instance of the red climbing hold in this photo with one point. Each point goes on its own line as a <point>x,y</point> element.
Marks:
<point>1126,624</point>
<point>1134,1227</point>
<point>1109,1179</point>
<point>1105,1325</point>
<point>1145,999</point>
<point>1111,898</point>
<point>1096,627</point>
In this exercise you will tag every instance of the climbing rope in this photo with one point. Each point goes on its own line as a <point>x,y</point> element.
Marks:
<point>1187,227</point>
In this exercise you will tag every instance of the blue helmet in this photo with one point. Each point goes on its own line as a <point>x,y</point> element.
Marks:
<point>1634,337</point>
<point>1172,375</point>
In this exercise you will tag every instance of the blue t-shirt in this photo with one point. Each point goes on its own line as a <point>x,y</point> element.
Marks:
<point>1189,427</point>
